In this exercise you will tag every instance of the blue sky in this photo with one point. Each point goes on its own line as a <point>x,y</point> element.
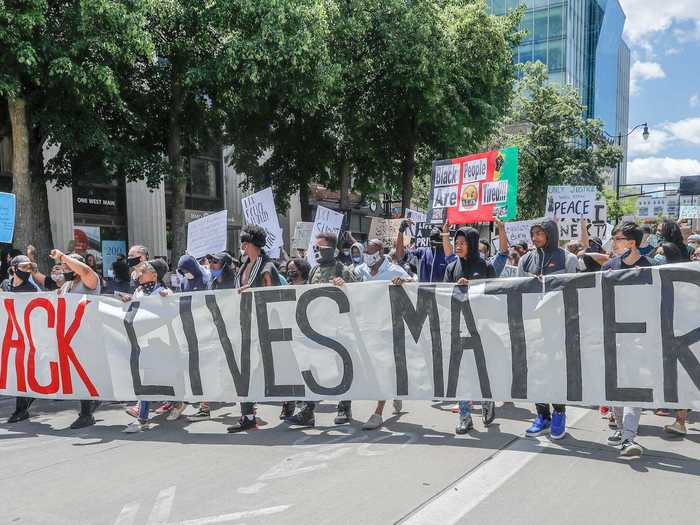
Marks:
<point>664,37</point>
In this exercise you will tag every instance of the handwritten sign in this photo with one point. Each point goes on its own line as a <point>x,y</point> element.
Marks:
<point>571,202</point>
<point>302,235</point>
<point>8,209</point>
<point>326,220</point>
<point>387,230</point>
<point>689,212</point>
<point>259,209</point>
<point>207,235</point>
<point>519,231</point>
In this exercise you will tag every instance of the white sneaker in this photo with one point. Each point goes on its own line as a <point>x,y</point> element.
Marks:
<point>175,412</point>
<point>398,406</point>
<point>373,423</point>
<point>135,427</point>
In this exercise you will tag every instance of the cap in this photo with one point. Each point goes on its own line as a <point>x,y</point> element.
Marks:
<point>159,266</point>
<point>221,257</point>
<point>20,259</point>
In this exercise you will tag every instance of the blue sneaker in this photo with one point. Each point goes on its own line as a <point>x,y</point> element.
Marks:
<point>539,426</point>
<point>558,430</point>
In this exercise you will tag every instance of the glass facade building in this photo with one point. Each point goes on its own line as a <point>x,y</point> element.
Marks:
<point>581,43</point>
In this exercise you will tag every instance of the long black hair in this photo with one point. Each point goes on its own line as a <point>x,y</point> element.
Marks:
<point>671,232</point>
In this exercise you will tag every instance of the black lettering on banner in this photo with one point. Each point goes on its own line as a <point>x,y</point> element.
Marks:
<point>676,349</point>
<point>337,295</point>
<point>139,388</point>
<point>611,328</point>
<point>514,290</point>
<point>241,376</point>
<point>403,311</point>
<point>192,343</point>
<point>569,286</point>
<point>460,307</point>
<point>268,335</point>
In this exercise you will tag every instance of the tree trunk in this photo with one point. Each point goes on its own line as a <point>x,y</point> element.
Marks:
<point>304,203</point>
<point>408,170</point>
<point>344,174</point>
<point>177,218</point>
<point>42,237</point>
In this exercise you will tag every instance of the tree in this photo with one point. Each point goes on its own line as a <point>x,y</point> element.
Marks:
<point>58,64</point>
<point>558,144</point>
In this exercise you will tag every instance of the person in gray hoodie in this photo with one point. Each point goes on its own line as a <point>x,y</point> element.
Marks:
<point>547,259</point>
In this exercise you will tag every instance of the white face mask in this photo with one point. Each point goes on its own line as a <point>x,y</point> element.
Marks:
<point>581,265</point>
<point>372,259</point>
<point>188,275</point>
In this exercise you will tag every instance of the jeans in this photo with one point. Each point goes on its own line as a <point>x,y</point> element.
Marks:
<point>465,408</point>
<point>543,410</point>
<point>144,406</point>
<point>627,420</point>
<point>311,405</point>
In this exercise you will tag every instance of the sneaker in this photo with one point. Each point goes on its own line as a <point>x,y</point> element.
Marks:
<point>200,415</point>
<point>373,423</point>
<point>604,411</point>
<point>558,428</point>
<point>678,429</point>
<point>305,418</point>
<point>488,412</point>
<point>16,417</point>
<point>663,412</point>
<point>133,410</point>
<point>84,420</point>
<point>539,426</point>
<point>344,415</point>
<point>629,449</point>
<point>175,412</point>
<point>287,410</point>
<point>464,425</point>
<point>164,408</point>
<point>398,406</point>
<point>615,438</point>
<point>245,423</point>
<point>135,427</point>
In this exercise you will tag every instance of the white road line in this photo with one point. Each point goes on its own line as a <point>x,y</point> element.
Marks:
<point>455,502</point>
<point>128,514</point>
<point>223,518</point>
<point>161,510</point>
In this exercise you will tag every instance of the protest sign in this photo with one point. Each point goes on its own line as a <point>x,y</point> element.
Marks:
<point>8,210</point>
<point>387,230</point>
<point>597,227</point>
<point>110,251</point>
<point>519,231</point>
<point>571,202</point>
<point>207,235</point>
<point>302,235</point>
<point>689,212</point>
<point>325,221</point>
<point>475,188</point>
<point>415,216</point>
<point>259,208</point>
<point>518,339</point>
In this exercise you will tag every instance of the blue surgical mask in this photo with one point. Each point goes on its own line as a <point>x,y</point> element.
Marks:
<point>215,273</point>
<point>660,259</point>
<point>357,259</point>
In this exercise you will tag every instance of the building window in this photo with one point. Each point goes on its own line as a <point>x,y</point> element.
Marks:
<point>540,29</point>
<point>556,25</point>
<point>540,52</point>
<point>555,58</point>
<point>526,25</point>
<point>203,180</point>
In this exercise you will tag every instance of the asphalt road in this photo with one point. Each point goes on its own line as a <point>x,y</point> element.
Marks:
<point>413,471</point>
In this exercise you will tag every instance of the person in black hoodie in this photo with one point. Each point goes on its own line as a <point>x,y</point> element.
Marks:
<point>19,272</point>
<point>547,259</point>
<point>223,274</point>
<point>195,276</point>
<point>469,266</point>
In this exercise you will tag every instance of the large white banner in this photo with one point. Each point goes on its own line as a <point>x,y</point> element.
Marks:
<point>613,338</point>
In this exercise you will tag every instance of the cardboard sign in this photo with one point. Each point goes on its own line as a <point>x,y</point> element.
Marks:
<point>302,235</point>
<point>519,231</point>
<point>259,208</point>
<point>571,202</point>
<point>325,221</point>
<point>597,227</point>
<point>207,235</point>
<point>415,216</point>
<point>8,210</point>
<point>475,188</point>
<point>387,231</point>
<point>689,212</point>
<point>422,233</point>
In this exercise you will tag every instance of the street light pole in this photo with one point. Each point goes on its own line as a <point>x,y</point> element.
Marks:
<point>645,135</point>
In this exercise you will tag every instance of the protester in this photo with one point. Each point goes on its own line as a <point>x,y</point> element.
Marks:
<point>356,254</point>
<point>345,255</point>
<point>195,276</point>
<point>499,262</point>
<point>669,231</point>
<point>121,279</point>
<point>646,248</point>
<point>257,270</point>
<point>19,281</point>
<point>298,271</point>
<point>150,284</point>
<point>137,255</point>
<point>223,274</point>
<point>469,266</point>
<point>668,253</point>
<point>328,269</point>
<point>432,260</point>
<point>696,255</point>
<point>547,259</point>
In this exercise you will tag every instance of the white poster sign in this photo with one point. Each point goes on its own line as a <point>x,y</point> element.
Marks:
<point>571,202</point>
<point>415,216</point>
<point>207,235</point>
<point>259,208</point>
<point>635,343</point>
<point>326,220</point>
<point>597,227</point>
<point>302,235</point>
<point>689,212</point>
<point>519,231</point>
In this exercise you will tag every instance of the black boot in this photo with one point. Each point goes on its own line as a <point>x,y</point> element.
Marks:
<point>344,413</point>
<point>243,424</point>
<point>287,410</point>
<point>305,418</point>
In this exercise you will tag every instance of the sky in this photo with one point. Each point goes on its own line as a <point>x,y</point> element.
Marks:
<point>664,38</point>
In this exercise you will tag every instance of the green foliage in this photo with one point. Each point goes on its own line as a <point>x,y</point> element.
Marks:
<point>558,145</point>
<point>618,208</point>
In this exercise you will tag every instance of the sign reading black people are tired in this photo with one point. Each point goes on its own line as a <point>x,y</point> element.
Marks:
<point>630,337</point>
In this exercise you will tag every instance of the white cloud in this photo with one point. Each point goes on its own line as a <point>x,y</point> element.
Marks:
<point>660,169</point>
<point>645,17</point>
<point>644,71</point>
<point>687,130</point>
<point>694,100</point>
<point>658,140</point>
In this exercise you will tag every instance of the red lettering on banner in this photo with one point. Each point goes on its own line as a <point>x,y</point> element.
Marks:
<point>8,343</point>
<point>34,385</point>
<point>66,356</point>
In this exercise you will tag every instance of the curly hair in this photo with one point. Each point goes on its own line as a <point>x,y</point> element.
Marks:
<point>254,234</point>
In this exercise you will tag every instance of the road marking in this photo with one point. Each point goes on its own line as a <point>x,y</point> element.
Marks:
<point>223,518</point>
<point>457,500</point>
<point>128,514</point>
<point>162,508</point>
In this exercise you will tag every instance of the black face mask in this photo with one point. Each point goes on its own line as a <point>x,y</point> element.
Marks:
<point>22,275</point>
<point>291,275</point>
<point>133,261</point>
<point>69,276</point>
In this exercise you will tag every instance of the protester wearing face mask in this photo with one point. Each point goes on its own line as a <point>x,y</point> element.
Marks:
<point>137,255</point>
<point>223,276</point>
<point>121,278</point>
<point>19,281</point>
<point>432,260</point>
<point>345,255</point>
<point>547,259</point>
<point>150,284</point>
<point>469,266</point>
<point>258,270</point>
<point>693,243</point>
<point>194,276</point>
<point>328,270</point>
<point>669,231</point>
<point>357,254</point>
<point>298,271</point>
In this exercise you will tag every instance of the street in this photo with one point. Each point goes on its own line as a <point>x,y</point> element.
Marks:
<point>413,471</point>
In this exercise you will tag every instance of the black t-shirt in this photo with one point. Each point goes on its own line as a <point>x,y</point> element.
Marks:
<point>26,286</point>
<point>618,263</point>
